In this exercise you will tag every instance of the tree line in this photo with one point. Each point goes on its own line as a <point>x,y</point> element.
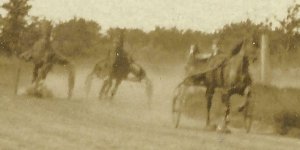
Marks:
<point>82,37</point>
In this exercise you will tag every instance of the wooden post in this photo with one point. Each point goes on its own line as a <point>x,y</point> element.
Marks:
<point>17,78</point>
<point>265,60</point>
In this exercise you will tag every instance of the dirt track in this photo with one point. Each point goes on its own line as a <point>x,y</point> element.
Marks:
<point>126,123</point>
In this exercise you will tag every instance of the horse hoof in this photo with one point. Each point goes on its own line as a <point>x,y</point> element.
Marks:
<point>223,130</point>
<point>210,127</point>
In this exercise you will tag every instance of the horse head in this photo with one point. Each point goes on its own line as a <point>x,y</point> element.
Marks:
<point>247,48</point>
<point>244,53</point>
<point>251,48</point>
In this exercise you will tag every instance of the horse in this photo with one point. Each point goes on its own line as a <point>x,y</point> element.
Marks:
<point>231,75</point>
<point>43,64</point>
<point>43,57</point>
<point>134,73</point>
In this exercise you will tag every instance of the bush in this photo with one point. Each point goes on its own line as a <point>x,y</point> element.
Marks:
<point>285,121</point>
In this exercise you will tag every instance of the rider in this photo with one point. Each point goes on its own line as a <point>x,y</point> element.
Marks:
<point>197,55</point>
<point>40,49</point>
<point>42,54</point>
<point>215,48</point>
<point>196,58</point>
<point>121,60</point>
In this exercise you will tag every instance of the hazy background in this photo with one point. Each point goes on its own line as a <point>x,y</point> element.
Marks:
<point>204,15</point>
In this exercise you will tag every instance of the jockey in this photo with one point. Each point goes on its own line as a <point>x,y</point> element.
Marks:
<point>195,54</point>
<point>121,59</point>
<point>40,47</point>
<point>196,58</point>
<point>215,48</point>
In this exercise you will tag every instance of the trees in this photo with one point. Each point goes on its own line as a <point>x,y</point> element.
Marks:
<point>13,26</point>
<point>1,22</point>
<point>76,36</point>
<point>232,33</point>
<point>290,26</point>
<point>31,33</point>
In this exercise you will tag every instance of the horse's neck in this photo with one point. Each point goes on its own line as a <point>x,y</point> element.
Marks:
<point>235,69</point>
<point>244,61</point>
<point>245,65</point>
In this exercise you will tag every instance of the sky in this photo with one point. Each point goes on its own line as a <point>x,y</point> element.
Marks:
<point>204,15</point>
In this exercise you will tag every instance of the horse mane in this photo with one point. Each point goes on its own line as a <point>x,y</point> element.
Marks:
<point>237,48</point>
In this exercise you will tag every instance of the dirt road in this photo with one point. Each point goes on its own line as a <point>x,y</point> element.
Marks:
<point>125,123</point>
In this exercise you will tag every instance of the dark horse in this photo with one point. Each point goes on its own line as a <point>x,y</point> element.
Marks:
<point>231,76</point>
<point>133,72</point>
<point>44,57</point>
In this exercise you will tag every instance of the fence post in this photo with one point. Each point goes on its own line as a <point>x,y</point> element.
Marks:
<point>265,75</point>
<point>17,77</point>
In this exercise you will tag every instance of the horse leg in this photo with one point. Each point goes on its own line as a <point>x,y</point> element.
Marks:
<point>139,75</point>
<point>41,74</point>
<point>39,82</point>
<point>44,71</point>
<point>148,86</point>
<point>226,102</point>
<point>114,90</point>
<point>105,84</point>
<point>247,94</point>
<point>248,109</point>
<point>108,87</point>
<point>209,95</point>
<point>35,72</point>
<point>105,88</point>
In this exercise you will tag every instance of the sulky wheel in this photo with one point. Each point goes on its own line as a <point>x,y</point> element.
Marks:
<point>176,111</point>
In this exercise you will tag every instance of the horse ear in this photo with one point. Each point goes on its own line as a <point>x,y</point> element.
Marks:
<point>237,49</point>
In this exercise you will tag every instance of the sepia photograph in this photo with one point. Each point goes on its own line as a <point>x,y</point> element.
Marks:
<point>149,74</point>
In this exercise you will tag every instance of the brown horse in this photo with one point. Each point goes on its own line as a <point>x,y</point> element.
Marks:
<point>43,57</point>
<point>118,66</point>
<point>134,73</point>
<point>231,76</point>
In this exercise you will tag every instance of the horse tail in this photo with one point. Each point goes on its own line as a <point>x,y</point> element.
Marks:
<point>142,76</point>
